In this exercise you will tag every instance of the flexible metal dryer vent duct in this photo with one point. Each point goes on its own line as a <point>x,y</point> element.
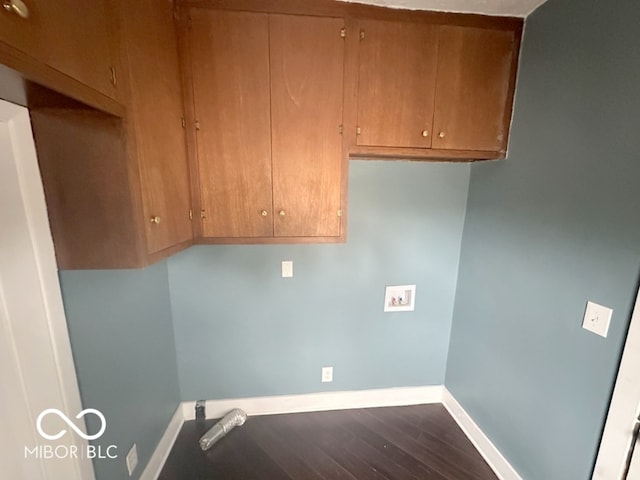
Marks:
<point>235,418</point>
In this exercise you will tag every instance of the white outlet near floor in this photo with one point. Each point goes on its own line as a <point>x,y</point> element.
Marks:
<point>327,374</point>
<point>597,319</point>
<point>132,459</point>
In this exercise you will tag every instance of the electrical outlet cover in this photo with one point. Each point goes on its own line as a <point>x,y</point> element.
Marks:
<point>597,319</point>
<point>287,269</point>
<point>327,374</point>
<point>132,459</point>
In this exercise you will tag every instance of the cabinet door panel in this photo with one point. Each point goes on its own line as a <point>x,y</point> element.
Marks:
<point>230,65</point>
<point>24,34</point>
<point>156,111</point>
<point>70,36</point>
<point>307,56</point>
<point>474,72</point>
<point>78,41</point>
<point>396,83</point>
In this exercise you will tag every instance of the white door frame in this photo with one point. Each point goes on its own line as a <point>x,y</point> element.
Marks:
<point>624,409</point>
<point>37,364</point>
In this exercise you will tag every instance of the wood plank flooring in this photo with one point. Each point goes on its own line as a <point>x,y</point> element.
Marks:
<point>397,443</point>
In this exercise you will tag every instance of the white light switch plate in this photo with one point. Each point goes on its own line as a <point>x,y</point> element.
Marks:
<point>597,319</point>
<point>287,269</point>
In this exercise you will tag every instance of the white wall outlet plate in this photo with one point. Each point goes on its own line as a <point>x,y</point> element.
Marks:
<point>132,459</point>
<point>400,298</point>
<point>287,269</point>
<point>327,374</point>
<point>597,319</point>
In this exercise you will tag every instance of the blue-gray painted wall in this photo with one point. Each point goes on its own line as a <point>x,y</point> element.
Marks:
<point>550,228</point>
<point>123,346</point>
<point>242,330</point>
<point>555,225</point>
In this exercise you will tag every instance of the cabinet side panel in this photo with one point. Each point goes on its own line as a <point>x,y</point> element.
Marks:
<point>396,83</point>
<point>230,74</point>
<point>155,116</point>
<point>472,94</point>
<point>86,182</point>
<point>307,62</point>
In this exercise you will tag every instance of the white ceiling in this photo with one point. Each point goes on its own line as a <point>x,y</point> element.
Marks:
<point>512,8</point>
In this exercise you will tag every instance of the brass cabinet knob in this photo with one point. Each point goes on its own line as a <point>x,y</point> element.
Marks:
<point>441,134</point>
<point>281,213</point>
<point>425,133</point>
<point>16,6</point>
<point>264,213</point>
<point>155,220</point>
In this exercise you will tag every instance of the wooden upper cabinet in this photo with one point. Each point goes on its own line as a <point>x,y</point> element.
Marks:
<point>267,95</point>
<point>117,189</point>
<point>473,103</point>
<point>397,80</point>
<point>70,36</point>
<point>434,90</point>
<point>307,62</point>
<point>230,74</point>
<point>155,121</point>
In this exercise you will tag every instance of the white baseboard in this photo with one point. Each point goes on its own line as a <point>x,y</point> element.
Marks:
<point>495,459</point>
<point>161,453</point>
<point>316,402</point>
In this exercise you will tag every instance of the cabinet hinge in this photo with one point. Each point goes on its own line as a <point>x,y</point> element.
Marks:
<point>358,131</point>
<point>361,34</point>
<point>189,23</point>
<point>203,214</point>
<point>340,129</point>
<point>197,125</point>
<point>183,122</point>
<point>114,79</point>
<point>339,213</point>
<point>190,214</point>
<point>343,32</point>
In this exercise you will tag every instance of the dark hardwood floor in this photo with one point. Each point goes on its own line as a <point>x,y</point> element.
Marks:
<point>397,443</point>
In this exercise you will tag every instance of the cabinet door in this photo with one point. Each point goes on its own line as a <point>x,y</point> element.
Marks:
<point>78,40</point>
<point>70,36</point>
<point>155,110</point>
<point>230,70</point>
<point>396,83</point>
<point>24,34</point>
<point>307,56</point>
<point>472,93</point>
